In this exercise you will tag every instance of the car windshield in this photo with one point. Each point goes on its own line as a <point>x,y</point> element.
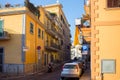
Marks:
<point>70,66</point>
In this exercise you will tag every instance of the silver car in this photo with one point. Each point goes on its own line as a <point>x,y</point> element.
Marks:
<point>71,70</point>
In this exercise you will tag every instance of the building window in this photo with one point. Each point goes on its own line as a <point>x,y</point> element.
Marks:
<point>1,59</point>
<point>1,27</point>
<point>45,59</point>
<point>63,32</point>
<point>31,28</point>
<point>47,23</point>
<point>39,32</point>
<point>113,3</point>
<point>61,42</point>
<point>42,34</point>
<point>62,19</point>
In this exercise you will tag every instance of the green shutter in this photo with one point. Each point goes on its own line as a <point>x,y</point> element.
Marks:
<point>1,27</point>
<point>31,28</point>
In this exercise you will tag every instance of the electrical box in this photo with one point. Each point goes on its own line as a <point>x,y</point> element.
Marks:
<point>108,65</point>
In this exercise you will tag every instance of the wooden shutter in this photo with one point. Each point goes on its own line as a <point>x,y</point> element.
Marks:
<point>115,3</point>
<point>118,3</point>
<point>109,3</point>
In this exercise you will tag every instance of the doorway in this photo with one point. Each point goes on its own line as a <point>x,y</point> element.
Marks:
<point>1,59</point>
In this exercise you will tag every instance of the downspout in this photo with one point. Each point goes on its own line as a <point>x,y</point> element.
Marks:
<point>23,40</point>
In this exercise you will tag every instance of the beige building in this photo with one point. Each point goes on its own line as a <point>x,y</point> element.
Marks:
<point>21,35</point>
<point>105,39</point>
<point>31,37</point>
<point>64,32</point>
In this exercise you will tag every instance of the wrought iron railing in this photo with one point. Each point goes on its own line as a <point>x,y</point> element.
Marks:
<point>4,35</point>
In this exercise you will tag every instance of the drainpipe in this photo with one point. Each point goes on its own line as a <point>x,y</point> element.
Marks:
<point>23,40</point>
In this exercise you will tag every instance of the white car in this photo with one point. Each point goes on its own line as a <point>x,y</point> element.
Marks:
<point>71,70</point>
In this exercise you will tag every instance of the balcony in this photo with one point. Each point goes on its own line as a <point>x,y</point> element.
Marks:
<point>4,36</point>
<point>52,32</point>
<point>86,32</point>
<point>52,46</point>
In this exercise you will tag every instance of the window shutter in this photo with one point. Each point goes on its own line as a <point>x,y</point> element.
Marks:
<point>31,28</point>
<point>115,3</point>
<point>109,3</point>
<point>118,3</point>
<point>1,27</point>
<point>1,24</point>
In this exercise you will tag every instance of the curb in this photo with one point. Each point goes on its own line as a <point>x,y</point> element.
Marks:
<point>41,72</point>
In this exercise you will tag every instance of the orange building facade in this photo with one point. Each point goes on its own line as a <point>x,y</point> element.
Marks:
<point>105,42</point>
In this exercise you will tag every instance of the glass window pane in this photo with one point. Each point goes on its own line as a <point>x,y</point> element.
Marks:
<point>31,28</point>
<point>70,66</point>
<point>1,27</point>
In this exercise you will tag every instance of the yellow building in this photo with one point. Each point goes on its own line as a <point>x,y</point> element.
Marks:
<point>52,39</point>
<point>61,31</point>
<point>105,39</point>
<point>21,39</point>
<point>76,36</point>
<point>31,37</point>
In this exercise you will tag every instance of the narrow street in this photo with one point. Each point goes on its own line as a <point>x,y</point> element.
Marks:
<point>55,75</point>
<point>51,76</point>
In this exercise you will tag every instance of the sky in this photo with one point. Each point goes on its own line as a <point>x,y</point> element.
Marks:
<point>72,9</point>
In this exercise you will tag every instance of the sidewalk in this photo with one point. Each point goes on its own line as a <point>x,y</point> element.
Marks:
<point>87,74</point>
<point>41,72</point>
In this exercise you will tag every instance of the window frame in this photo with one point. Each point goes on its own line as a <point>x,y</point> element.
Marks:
<point>31,28</point>
<point>39,32</point>
<point>42,34</point>
<point>112,6</point>
<point>2,26</point>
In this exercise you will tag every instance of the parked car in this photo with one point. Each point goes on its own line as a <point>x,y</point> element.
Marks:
<point>71,70</point>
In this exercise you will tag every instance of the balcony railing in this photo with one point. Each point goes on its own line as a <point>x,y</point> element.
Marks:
<point>52,32</point>
<point>52,46</point>
<point>4,36</point>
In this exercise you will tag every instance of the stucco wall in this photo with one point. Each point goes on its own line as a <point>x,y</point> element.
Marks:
<point>32,41</point>
<point>12,47</point>
<point>109,47</point>
<point>105,40</point>
<point>106,14</point>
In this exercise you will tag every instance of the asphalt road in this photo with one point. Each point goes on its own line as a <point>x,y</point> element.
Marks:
<point>55,75</point>
<point>50,76</point>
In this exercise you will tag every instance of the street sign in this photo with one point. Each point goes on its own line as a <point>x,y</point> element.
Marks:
<point>25,48</point>
<point>38,47</point>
